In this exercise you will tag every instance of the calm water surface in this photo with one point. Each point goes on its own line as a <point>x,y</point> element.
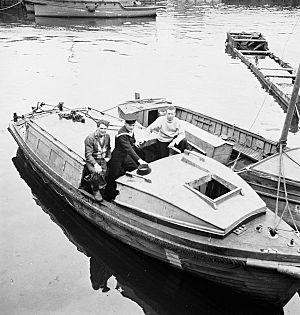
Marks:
<point>52,261</point>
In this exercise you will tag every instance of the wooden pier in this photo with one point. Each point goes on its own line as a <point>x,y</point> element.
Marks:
<point>276,75</point>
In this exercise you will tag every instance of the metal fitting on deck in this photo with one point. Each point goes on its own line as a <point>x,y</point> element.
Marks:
<point>291,243</point>
<point>259,228</point>
<point>273,233</point>
<point>60,106</point>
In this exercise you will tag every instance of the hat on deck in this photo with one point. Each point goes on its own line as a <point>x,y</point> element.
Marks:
<point>130,118</point>
<point>102,122</point>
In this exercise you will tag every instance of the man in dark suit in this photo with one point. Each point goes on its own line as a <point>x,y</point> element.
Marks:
<point>97,154</point>
<point>124,156</point>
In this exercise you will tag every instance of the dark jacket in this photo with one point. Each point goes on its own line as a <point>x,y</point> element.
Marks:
<point>124,145</point>
<point>94,151</point>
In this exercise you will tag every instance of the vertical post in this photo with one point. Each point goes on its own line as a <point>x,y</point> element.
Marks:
<point>290,111</point>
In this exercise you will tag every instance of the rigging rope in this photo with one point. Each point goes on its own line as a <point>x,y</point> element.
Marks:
<point>288,39</point>
<point>287,206</point>
<point>11,6</point>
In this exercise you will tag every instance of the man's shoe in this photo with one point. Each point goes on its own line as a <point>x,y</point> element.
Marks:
<point>97,195</point>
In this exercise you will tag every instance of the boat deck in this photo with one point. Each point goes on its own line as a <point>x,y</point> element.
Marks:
<point>190,175</point>
<point>72,134</point>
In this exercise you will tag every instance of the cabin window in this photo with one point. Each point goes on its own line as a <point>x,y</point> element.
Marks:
<point>43,151</point>
<point>31,139</point>
<point>72,174</point>
<point>56,161</point>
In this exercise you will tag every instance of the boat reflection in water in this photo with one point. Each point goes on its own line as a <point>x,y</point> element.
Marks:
<point>154,286</point>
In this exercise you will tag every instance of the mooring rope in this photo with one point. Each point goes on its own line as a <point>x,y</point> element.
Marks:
<point>11,6</point>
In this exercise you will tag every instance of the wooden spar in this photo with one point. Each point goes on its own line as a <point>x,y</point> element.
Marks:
<point>290,111</point>
<point>276,69</point>
<point>280,76</point>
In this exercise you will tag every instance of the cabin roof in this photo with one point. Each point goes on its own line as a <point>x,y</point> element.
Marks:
<point>169,182</point>
<point>290,162</point>
<point>141,105</point>
<point>72,134</point>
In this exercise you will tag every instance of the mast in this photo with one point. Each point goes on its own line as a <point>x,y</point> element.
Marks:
<point>290,112</point>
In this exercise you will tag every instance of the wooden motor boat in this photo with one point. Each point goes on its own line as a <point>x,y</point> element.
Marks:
<point>191,211</point>
<point>139,278</point>
<point>94,9</point>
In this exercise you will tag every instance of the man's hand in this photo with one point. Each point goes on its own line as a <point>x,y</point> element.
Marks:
<point>140,161</point>
<point>171,145</point>
<point>138,143</point>
<point>98,168</point>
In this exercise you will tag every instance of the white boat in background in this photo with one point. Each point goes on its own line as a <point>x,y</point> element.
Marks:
<point>93,9</point>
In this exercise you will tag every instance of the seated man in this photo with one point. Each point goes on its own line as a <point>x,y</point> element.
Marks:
<point>170,133</point>
<point>124,156</point>
<point>97,154</point>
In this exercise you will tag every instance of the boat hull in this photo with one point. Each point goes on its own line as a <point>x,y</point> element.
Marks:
<point>87,9</point>
<point>223,266</point>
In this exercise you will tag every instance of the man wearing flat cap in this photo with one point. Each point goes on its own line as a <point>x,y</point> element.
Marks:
<point>97,154</point>
<point>124,156</point>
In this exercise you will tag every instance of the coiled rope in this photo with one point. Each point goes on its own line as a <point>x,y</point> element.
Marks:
<point>11,6</point>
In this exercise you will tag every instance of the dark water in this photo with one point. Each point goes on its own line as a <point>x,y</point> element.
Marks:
<point>51,260</point>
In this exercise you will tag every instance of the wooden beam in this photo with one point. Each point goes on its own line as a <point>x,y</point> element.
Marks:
<point>254,52</point>
<point>285,69</point>
<point>249,40</point>
<point>292,76</point>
